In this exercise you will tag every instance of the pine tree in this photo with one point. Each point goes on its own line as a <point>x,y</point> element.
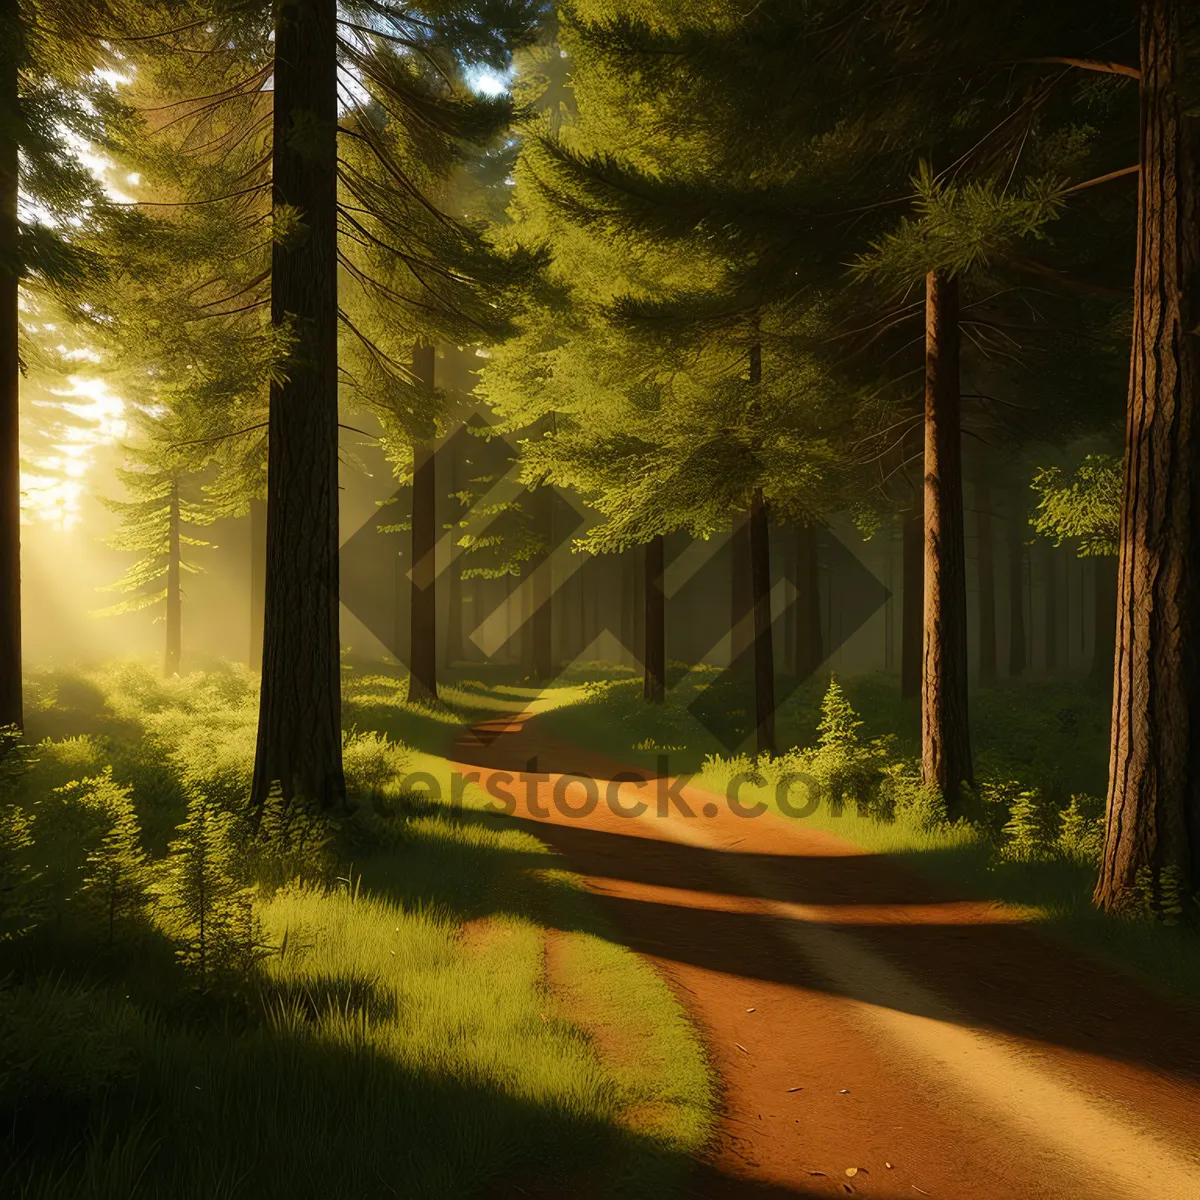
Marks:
<point>1086,507</point>
<point>355,196</point>
<point>210,911</point>
<point>839,722</point>
<point>116,873</point>
<point>996,159</point>
<point>669,368</point>
<point>48,94</point>
<point>1153,821</point>
<point>156,524</point>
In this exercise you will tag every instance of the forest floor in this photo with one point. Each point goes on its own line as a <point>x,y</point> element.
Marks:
<point>874,1032</point>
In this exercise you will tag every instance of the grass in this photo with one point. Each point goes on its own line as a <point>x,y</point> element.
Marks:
<point>438,1012</point>
<point>1050,737</point>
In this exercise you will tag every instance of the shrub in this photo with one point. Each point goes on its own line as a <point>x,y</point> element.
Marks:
<point>839,722</point>
<point>208,911</point>
<point>1160,895</point>
<point>116,869</point>
<point>373,764</point>
<point>844,767</point>
<point>1025,837</point>
<point>18,904</point>
<point>904,797</point>
<point>58,762</point>
<point>1081,830</point>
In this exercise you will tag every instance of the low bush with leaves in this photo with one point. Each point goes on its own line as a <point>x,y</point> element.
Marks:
<point>115,875</point>
<point>207,909</point>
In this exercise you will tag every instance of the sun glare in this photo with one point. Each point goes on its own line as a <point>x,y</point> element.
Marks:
<point>83,417</point>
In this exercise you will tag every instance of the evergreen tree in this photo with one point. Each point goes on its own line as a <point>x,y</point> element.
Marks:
<point>116,873</point>
<point>1153,822</point>
<point>669,370</point>
<point>1086,507</point>
<point>49,94</point>
<point>839,723</point>
<point>349,177</point>
<point>156,524</point>
<point>211,912</point>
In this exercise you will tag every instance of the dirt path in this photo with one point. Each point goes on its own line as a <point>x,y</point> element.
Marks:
<point>931,1044</point>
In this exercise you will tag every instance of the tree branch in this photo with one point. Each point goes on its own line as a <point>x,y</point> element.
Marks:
<point>1088,64</point>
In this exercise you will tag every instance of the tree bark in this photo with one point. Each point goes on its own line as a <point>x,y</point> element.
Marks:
<point>455,642</point>
<point>1104,640</point>
<point>174,648</point>
<point>629,601</point>
<point>422,610</point>
<point>1153,820</point>
<point>987,583</point>
<point>299,728</point>
<point>655,680</point>
<point>258,572</point>
<point>764,650</point>
<point>1050,607</point>
<point>11,712</point>
<point>1018,655</point>
<point>809,651</point>
<point>740,596</point>
<point>542,619</point>
<point>945,740</point>
<point>912,628</point>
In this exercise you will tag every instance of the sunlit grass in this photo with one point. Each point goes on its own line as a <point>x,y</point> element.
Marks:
<point>1051,736</point>
<point>433,1014</point>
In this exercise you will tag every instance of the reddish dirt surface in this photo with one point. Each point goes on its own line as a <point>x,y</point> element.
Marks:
<point>859,1019</point>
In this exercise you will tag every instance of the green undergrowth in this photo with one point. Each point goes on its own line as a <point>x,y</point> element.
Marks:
<point>1032,832</point>
<point>379,1002</point>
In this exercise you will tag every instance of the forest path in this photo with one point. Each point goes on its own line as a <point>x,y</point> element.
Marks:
<point>861,1020</point>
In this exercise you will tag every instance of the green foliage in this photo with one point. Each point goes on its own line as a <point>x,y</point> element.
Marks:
<point>374,765</point>
<point>18,900</point>
<point>18,905</point>
<point>1161,895</point>
<point>839,723</point>
<point>1081,830</point>
<point>961,228</point>
<point>1024,832</point>
<point>208,909</point>
<point>116,875</point>
<point>155,523</point>
<point>905,798</point>
<point>1084,505</point>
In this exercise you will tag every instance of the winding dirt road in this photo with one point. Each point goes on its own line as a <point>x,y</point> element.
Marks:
<point>872,1037</point>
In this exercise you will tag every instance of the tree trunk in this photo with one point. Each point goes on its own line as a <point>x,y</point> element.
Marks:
<point>987,583</point>
<point>810,652</point>
<point>422,611</point>
<point>174,592</point>
<point>10,383</point>
<point>541,619</point>
<point>764,650</point>
<point>912,628</point>
<point>299,727</point>
<point>1104,640</point>
<point>455,651</point>
<point>629,600</point>
<point>1017,650</point>
<point>945,740</point>
<point>654,682</point>
<point>258,572</point>
<point>1050,603</point>
<point>1153,822</point>
<point>740,596</point>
